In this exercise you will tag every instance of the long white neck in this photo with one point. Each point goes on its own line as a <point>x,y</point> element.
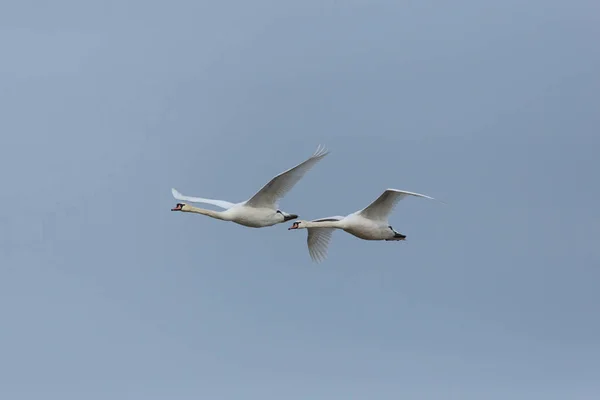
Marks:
<point>324,224</point>
<point>210,213</point>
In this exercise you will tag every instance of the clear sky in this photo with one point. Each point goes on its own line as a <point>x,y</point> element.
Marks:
<point>492,107</point>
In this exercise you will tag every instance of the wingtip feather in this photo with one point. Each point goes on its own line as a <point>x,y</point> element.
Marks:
<point>321,151</point>
<point>413,193</point>
<point>175,193</point>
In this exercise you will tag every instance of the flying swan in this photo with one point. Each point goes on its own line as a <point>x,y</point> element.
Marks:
<point>261,210</point>
<point>370,223</point>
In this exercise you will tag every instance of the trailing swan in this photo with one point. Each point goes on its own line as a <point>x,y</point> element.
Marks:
<point>370,223</point>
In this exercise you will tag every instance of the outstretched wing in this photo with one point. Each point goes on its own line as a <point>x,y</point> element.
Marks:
<point>219,203</point>
<point>269,195</point>
<point>380,209</point>
<point>318,239</point>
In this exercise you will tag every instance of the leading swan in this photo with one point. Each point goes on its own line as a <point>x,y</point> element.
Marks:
<point>370,223</point>
<point>260,210</point>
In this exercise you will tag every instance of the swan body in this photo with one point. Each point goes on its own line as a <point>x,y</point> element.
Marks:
<point>370,223</point>
<point>242,215</point>
<point>262,209</point>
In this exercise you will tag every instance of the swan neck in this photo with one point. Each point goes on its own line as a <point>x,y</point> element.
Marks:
<point>324,224</point>
<point>203,211</point>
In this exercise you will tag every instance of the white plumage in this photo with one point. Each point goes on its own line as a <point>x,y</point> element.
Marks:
<point>260,210</point>
<point>370,223</point>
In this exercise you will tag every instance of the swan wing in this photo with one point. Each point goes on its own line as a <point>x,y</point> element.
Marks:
<point>318,239</point>
<point>380,209</point>
<point>219,203</point>
<point>269,195</point>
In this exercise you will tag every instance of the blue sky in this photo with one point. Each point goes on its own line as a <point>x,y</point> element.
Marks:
<point>489,106</point>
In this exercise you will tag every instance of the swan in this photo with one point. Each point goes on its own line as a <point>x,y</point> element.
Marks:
<point>261,210</point>
<point>370,223</point>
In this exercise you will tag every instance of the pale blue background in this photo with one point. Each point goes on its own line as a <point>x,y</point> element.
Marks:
<point>492,107</point>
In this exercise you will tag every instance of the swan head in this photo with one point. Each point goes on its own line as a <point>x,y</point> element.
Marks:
<point>298,225</point>
<point>181,207</point>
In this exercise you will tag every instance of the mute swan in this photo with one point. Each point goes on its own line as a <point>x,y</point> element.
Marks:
<point>370,223</point>
<point>260,210</point>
